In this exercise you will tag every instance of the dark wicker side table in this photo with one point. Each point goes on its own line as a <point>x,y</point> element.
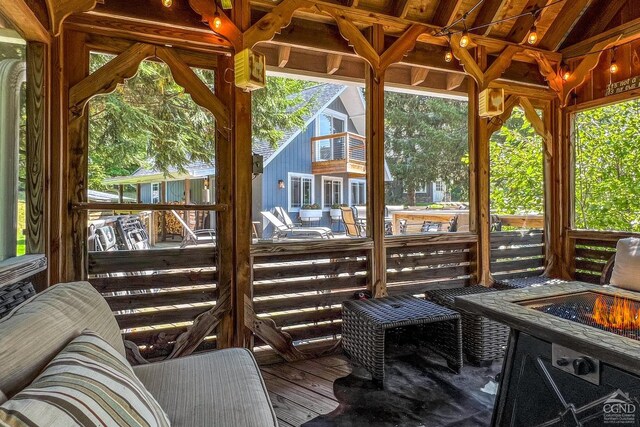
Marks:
<point>364,323</point>
<point>483,340</point>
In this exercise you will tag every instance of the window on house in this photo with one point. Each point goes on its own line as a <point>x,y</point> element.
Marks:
<point>358,192</point>
<point>440,187</point>
<point>13,151</point>
<point>300,191</point>
<point>331,122</point>
<point>155,192</point>
<point>331,192</point>
<point>607,182</point>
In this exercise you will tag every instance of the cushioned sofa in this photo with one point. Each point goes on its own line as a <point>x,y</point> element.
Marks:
<point>220,388</point>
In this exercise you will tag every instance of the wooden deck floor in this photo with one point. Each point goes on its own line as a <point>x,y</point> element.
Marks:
<point>300,391</point>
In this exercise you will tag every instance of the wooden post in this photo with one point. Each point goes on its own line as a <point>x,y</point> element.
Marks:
<point>566,198</point>
<point>374,94</point>
<point>76,68</point>
<point>187,200</point>
<point>120,193</point>
<point>163,199</point>
<point>242,175</point>
<point>480,216</point>
<point>56,154</point>
<point>139,193</point>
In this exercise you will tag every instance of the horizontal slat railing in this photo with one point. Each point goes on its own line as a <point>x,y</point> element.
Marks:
<point>156,294</point>
<point>592,250</point>
<point>517,254</point>
<point>302,291</point>
<point>415,265</point>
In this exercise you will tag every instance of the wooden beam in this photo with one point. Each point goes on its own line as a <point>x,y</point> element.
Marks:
<point>502,62</point>
<point>278,18</point>
<point>563,24</point>
<point>405,43</point>
<point>454,80</point>
<point>537,123</point>
<point>446,12</point>
<point>466,60</point>
<point>627,32</point>
<point>489,11</point>
<point>356,39</point>
<point>60,9</point>
<point>106,78</point>
<point>605,14</point>
<point>401,8</point>
<point>550,73</point>
<point>25,20</point>
<point>207,9</point>
<point>419,75</point>
<point>283,55</point>
<point>483,79</point>
<point>333,63</point>
<point>374,94</point>
<point>520,29</point>
<point>194,86</point>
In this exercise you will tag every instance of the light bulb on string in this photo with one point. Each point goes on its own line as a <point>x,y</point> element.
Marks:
<point>217,22</point>
<point>613,68</point>
<point>533,35</point>
<point>448,56</point>
<point>566,74</point>
<point>464,40</point>
<point>167,3</point>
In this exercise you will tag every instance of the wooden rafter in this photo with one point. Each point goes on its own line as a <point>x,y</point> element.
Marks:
<point>278,18</point>
<point>207,9</point>
<point>283,55</point>
<point>60,9</point>
<point>404,44</point>
<point>356,39</point>
<point>30,27</point>
<point>627,32</point>
<point>418,75</point>
<point>401,8</point>
<point>489,11</point>
<point>454,81</point>
<point>483,79</point>
<point>521,27</point>
<point>333,63</point>
<point>549,72</point>
<point>200,93</point>
<point>446,12</point>
<point>536,122</point>
<point>563,23</point>
<point>109,76</point>
<point>605,14</point>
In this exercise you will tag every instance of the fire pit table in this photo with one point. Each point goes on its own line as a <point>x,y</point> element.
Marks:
<point>365,322</point>
<point>573,357</point>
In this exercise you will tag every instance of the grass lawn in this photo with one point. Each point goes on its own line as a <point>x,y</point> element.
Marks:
<point>21,226</point>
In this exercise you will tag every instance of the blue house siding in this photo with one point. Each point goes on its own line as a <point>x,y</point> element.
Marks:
<point>145,193</point>
<point>338,106</point>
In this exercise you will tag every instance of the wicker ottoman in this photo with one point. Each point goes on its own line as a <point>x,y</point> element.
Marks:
<point>526,282</point>
<point>364,323</point>
<point>483,340</point>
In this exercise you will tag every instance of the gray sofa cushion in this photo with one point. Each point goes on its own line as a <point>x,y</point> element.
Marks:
<point>33,333</point>
<point>221,388</point>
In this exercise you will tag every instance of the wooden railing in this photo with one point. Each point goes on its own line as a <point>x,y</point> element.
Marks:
<point>517,254</point>
<point>156,294</point>
<point>415,265</point>
<point>302,291</point>
<point>590,251</point>
<point>342,149</point>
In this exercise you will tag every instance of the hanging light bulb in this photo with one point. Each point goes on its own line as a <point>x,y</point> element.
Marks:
<point>167,3</point>
<point>217,22</point>
<point>613,68</point>
<point>464,40</point>
<point>448,56</point>
<point>566,73</point>
<point>533,35</point>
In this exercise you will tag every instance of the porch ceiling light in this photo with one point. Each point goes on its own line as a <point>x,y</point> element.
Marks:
<point>448,56</point>
<point>465,39</point>
<point>167,3</point>
<point>217,22</point>
<point>533,35</point>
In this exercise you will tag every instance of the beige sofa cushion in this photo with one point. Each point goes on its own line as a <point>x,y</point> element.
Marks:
<point>626,269</point>
<point>33,333</point>
<point>219,388</point>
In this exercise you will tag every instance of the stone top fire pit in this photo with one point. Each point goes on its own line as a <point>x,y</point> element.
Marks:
<point>558,314</point>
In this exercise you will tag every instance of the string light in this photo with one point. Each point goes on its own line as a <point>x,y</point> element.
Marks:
<point>167,3</point>
<point>217,22</point>
<point>533,35</point>
<point>613,67</point>
<point>564,72</point>
<point>464,40</point>
<point>448,56</point>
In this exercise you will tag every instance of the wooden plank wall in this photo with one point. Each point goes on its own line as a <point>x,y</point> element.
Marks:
<point>517,254</point>
<point>156,294</point>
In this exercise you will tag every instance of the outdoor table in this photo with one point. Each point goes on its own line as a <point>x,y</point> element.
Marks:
<point>435,215</point>
<point>365,322</point>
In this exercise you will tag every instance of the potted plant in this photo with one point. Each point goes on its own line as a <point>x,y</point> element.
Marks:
<point>309,213</point>
<point>336,212</point>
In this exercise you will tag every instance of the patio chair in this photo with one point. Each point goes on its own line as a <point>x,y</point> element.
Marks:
<point>291,225</point>
<point>196,237</point>
<point>353,227</point>
<point>282,231</point>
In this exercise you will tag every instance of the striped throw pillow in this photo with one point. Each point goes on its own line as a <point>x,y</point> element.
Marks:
<point>87,384</point>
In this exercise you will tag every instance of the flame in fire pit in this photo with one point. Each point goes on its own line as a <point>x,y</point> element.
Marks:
<point>619,315</point>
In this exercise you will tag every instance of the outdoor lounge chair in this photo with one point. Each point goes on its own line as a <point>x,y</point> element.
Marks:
<point>282,231</point>
<point>352,226</point>
<point>291,225</point>
<point>196,237</point>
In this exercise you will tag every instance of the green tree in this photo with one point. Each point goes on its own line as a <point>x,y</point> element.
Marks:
<point>607,176</point>
<point>425,141</point>
<point>516,160</point>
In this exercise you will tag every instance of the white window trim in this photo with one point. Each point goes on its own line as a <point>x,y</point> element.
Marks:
<point>332,113</point>
<point>331,178</point>
<point>356,180</point>
<point>301,175</point>
<point>159,190</point>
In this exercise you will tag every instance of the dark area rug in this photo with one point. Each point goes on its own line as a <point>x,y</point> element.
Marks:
<point>419,390</point>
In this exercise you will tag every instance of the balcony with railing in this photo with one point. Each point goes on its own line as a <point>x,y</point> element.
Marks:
<point>339,153</point>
